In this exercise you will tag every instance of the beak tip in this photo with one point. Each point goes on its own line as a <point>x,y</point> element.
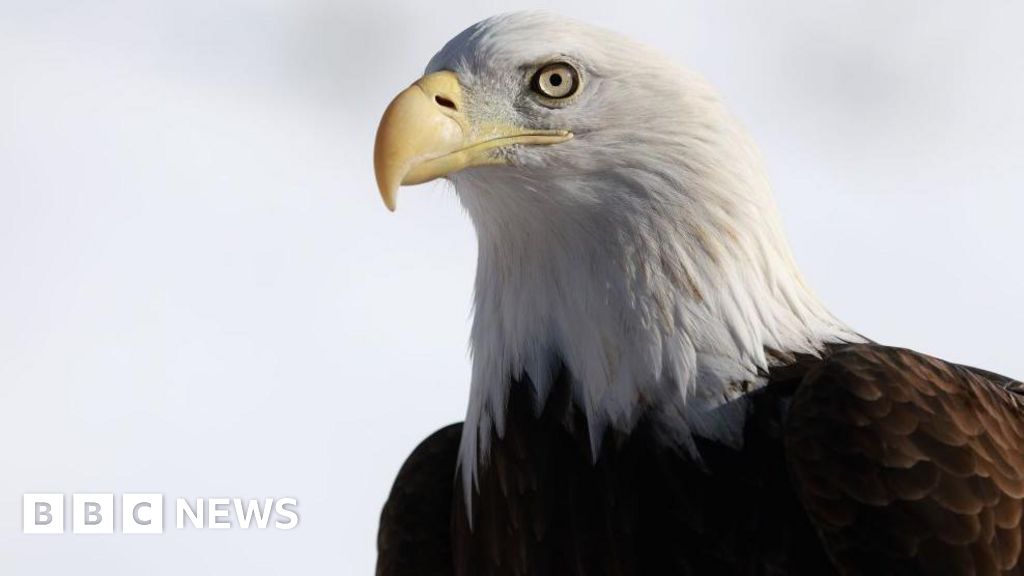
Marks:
<point>389,194</point>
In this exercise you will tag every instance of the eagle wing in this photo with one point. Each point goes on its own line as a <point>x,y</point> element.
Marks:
<point>909,465</point>
<point>414,538</point>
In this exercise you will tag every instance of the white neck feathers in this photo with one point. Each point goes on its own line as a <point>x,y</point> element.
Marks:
<point>661,283</point>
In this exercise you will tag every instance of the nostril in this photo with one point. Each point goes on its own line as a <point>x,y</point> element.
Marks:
<point>442,101</point>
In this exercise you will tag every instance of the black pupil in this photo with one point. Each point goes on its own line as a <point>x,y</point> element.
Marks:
<point>556,80</point>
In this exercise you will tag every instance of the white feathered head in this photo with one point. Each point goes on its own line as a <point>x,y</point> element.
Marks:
<point>626,228</point>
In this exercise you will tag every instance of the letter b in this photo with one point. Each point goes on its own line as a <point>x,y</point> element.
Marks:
<point>92,513</point>
<point>43,514</point>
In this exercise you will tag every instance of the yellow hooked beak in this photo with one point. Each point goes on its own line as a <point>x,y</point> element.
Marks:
<point>425,134</point>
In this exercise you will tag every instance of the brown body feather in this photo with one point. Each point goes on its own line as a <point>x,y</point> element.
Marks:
<point>871,460</point>
<point>910,465</point>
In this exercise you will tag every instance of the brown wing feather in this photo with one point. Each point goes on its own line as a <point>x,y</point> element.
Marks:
<point>414,538</point>
<point>908,464</point>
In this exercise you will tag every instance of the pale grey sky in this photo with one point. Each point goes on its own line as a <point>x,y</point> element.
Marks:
<point>202,295</point>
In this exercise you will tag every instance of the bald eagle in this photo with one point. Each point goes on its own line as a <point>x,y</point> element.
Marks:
<point>655,389</point>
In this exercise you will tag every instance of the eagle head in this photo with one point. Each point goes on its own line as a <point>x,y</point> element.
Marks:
<point>627,232</point>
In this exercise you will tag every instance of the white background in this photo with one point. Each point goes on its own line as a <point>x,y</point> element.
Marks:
<point>202,295</point>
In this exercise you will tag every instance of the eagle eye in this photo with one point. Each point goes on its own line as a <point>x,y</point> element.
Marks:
<point>557,80</point>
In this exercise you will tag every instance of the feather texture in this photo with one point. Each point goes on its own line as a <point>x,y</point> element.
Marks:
<point>910,465</point>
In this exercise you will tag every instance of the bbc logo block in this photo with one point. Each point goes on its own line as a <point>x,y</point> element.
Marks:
<point>142,513</point>
<point>43,514</point>
<point>93,513</point>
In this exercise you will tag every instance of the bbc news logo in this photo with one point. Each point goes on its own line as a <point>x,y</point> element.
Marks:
<point>144,513</point>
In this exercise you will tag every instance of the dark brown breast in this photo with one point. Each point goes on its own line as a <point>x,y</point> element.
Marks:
<point>546,506</point>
